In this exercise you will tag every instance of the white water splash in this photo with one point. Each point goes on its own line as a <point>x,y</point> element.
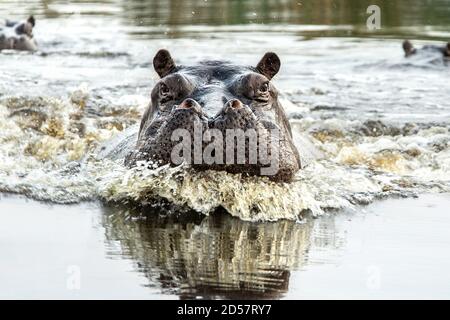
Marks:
<point>46,148</point>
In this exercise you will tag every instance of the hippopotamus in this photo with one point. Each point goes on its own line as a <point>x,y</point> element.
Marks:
<point>18,35</point>
<point>410,50</point>
<point>214,115</point>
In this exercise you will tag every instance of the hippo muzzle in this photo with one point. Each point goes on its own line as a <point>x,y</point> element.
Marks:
<point>217,116</point>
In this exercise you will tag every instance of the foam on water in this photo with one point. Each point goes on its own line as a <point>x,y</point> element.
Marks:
<point>47,151</point>
<point>43,141</point>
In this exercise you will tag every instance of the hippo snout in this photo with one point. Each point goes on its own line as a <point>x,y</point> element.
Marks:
<point>234,104</point>
<point>189,104</point>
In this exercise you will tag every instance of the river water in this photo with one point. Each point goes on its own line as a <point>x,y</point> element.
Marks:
<point>379,121</point>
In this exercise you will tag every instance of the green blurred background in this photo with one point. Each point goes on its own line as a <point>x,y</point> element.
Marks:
<point>427,19</point>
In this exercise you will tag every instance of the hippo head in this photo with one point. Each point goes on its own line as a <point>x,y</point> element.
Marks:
<point>18,35</point>
<point>25,27</point>
<point>220,116</point>
<point>409,49</point>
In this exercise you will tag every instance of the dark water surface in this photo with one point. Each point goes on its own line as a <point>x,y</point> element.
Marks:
<point>91,79</point>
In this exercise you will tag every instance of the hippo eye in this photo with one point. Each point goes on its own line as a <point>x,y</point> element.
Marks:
<point>163,89</point>
<point>264,87</point>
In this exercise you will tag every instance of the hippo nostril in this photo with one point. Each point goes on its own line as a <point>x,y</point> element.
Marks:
<point>235,104</point>
<point>190,105</point>
<point>186,104</point>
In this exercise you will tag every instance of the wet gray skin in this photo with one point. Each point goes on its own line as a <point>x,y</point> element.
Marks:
<point>409,49</point>
<point>222,96</point>
<point>18,35</point>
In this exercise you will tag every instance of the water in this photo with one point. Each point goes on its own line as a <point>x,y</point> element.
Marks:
<point>380,122</point>
<point>91,251</point>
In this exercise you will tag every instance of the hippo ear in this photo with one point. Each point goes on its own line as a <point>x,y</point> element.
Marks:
<point>31,20</point>
<point>408,47</point>
<point>163,63</point>
<point>269,65</point>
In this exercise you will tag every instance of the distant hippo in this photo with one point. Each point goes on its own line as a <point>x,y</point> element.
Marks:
<point>410,50</point>
<point>215,115</point>
<point>18,35</point>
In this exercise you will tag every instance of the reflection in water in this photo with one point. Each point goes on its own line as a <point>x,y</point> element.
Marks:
<point>210,257</point>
